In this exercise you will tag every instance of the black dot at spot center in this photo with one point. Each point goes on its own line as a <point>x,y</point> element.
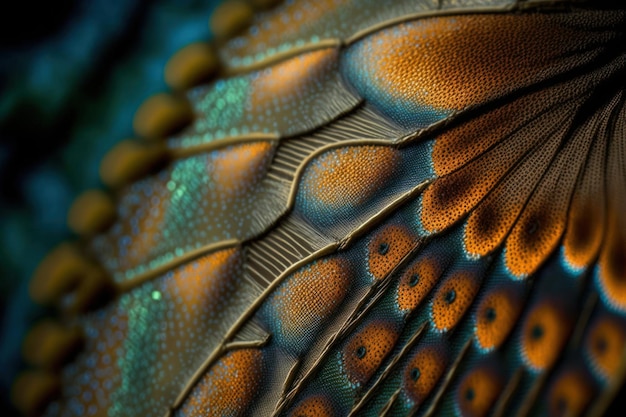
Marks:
<point>360,352</point>
<point>414,280</point>
<point>383,248</point>
<point>536,332</point>
<point>601,345</point>
<point>415,374</point>
<point>450,296</point>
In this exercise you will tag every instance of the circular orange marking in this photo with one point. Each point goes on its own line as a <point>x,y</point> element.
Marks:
<point>417,281</point>
<point>388,247</point>
<point>311,295</point>
<point>452,300</point>
<point>543,336</point>
<point>314,406</point>
<point>235,168</point>
<point>351,176</point>
<point>569,395</point>
<point>366,350</point>
<point>604,346</point>
<point>229,387</point>
<point>423,371</point>
<point>477,392</point>
<point>496,316</point>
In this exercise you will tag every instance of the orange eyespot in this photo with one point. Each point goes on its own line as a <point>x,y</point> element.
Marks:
<point>423,371</point>
<point>387,249</point>
<point>314,406</point>
<point>496,316</point>
<point>478,391</point>
<point>543,335</point>
<point>569,395</point>
<point>366,350</point>
<point>452,300</point>
<point>229,387</point>
<point>417,281</point>
<point>604,346</point>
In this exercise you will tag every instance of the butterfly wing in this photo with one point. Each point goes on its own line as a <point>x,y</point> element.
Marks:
<point>413,209</point>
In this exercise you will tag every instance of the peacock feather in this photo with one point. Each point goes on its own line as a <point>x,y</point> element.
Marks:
<point>407,208</point>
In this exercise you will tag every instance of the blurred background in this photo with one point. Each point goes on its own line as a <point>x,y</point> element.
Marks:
<point>72,73</point>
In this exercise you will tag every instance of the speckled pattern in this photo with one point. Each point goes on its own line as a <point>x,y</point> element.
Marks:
<point>467,257</point>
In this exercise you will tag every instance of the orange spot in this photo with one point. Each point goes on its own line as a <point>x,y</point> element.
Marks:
<point>465,60</point>
<point>534,237</point>
<point>423,372</point>
<point>452,300</point>
<point>612,263</point>
<point>314,406</point>
<point>477,392</point>
<point>366,350</point>
<point>289,79</point>
<point>417,281</point>
<point>283,26</point>
<point>584,232</point>
<point>489,223</point>
<point>543,336</point>
<point>229,387</point>
<point>351,176</point>
<point>605,345</point>
<point>236,168</point>
<point>310,296</point>
<point>388,247</point>
<point>569,395</point>
<point>202,288</point>
<point>496,316</point>
<point>190,281</point>
<point>451,197</point>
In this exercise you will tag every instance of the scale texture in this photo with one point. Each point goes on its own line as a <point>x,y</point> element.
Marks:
<point>386,208</point>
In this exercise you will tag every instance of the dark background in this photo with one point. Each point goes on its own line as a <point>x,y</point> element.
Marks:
<point>72,73</point>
